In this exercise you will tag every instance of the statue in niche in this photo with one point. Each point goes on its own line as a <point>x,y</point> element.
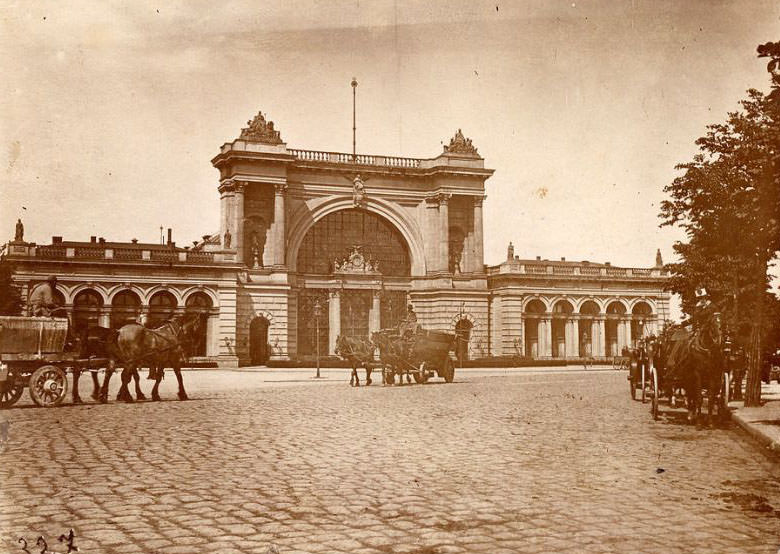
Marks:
<point>19,234</point>
<point>456,245</point>
<point>228,238</point>
<point>257,251</point>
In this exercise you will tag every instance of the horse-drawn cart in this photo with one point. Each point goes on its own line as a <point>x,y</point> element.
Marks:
<point>421,354</point>
<point>33,355</point>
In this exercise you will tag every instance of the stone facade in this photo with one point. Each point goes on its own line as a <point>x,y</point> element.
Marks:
<point>353,238</point>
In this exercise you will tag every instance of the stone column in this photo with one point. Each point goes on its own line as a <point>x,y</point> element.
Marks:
<point>444,232</point>
<point>627,326</point>
<point>374,315</point>
<point>575,336</point>
<point>594,338</point>
<point>431,229</point>
<point>548,338</point>
<point>334,320</point>
<point>104,319</point>
<point>602,337</point>
<point>478,258</point>
<point>278,229</point>
<point>238,219</point>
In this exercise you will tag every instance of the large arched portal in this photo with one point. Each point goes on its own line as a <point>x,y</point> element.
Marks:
<point>358,265</point>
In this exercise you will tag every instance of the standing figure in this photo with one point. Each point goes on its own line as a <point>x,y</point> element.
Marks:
<point>19,234</point>
<point>228,238</point>
<point>257,252</point>
<point>358,192</point>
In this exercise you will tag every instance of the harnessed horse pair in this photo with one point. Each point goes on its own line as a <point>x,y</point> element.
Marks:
<point>692,359</point>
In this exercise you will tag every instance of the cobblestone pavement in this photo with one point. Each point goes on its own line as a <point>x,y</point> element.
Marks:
<point>523,463</point>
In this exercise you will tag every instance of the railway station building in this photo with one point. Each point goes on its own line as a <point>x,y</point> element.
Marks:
<point>314,244</point>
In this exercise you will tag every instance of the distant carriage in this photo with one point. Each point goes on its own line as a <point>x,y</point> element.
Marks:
<point>420,354</point>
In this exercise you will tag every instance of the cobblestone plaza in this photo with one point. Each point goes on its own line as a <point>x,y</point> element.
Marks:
<point>554,461</point>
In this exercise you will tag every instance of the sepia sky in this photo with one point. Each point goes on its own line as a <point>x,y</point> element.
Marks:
<point>111,111</point>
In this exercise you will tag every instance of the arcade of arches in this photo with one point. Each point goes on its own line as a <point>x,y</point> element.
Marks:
<point>588,332</point>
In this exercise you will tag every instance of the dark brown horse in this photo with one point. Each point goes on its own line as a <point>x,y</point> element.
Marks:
<point>393,354</point>
<point>358,351</point>
<point>98,343</point>
<point>164,346</point>
<point>694,360</point>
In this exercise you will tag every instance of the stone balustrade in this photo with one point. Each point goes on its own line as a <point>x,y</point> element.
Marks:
<point>575,270</point>
<point>116,254</point>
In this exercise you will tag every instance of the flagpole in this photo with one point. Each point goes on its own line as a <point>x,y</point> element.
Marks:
<point>354,88</point>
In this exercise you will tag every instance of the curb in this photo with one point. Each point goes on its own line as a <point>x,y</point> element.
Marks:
<point>756,432</point>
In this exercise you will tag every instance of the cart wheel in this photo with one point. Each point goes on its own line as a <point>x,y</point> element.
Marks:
<point>448,371</point>
<point>10,391</point>
<point>654,384</point>
<point>48,386</point>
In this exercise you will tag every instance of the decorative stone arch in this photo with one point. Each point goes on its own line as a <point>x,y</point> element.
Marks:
<point>186,293</point>
<point>260,313</point>
<point>163,288</point>
<point>586,301</point>
<point>116,289</point>
<point>614,300</point>
<point>637,301</point>
<point>100,289</point>
<point>562,300</point>
<point>464,315</point>
<point>316,209</point>
<point>545,302</point>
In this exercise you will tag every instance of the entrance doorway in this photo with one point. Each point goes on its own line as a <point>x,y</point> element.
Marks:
<point>259,349</point>
<point>463,334</point>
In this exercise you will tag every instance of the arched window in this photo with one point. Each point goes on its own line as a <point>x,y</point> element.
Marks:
<point>616,308</point>
<point>86,309</point>
<point>162,306</point>
<point>199,303</point>
<point>563,307</point>
<point>333,237</point>
<point>535,307</point>
<point>589,307</point>
<point>642,308</point>
<point>125,308</point>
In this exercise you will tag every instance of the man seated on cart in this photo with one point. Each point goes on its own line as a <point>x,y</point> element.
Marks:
<point>407,328</point>
<point>43,303</point>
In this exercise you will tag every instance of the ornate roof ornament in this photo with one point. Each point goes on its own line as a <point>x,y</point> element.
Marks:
<point>460,145</point>
<point>260,130</point>
<point>356,262</point>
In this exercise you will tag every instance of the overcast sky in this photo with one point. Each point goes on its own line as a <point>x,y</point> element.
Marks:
<point>110,112</point>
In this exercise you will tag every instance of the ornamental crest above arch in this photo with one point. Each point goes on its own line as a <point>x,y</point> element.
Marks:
<point>459,144</point>
<point>356,263</point>
<point>260,130</point>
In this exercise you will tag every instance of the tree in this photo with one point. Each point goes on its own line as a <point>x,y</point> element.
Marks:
<point>10,297</point>
<point>727,200</point>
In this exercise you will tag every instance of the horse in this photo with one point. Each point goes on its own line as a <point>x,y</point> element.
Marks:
<point>160,347</point>
<point>693,358</point>
<point>358,352</point>
<point>98,342</point>
<point>393,352</point>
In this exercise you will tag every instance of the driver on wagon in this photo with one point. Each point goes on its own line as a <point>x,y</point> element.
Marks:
<point>408,325</point>
<point>42,300</point>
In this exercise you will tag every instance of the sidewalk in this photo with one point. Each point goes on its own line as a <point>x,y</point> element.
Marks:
<point>762,423</point>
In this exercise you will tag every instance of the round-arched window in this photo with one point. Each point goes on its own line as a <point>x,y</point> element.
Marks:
<point>86,309</point>
<point>162,306</point>
<point>125,308</point>
<point>335,236</point>
<point>199,303</point>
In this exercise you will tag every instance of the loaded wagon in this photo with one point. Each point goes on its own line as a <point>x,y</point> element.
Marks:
<point>33,355</point>
<point>421,354</point>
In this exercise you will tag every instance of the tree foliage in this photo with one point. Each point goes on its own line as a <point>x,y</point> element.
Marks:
<point>10,296</point>
<point>727,200</point>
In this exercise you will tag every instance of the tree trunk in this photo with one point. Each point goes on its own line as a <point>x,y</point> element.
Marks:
<point>753,385</point>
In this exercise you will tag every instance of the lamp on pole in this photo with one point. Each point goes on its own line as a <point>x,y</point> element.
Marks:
<point>317,313</point>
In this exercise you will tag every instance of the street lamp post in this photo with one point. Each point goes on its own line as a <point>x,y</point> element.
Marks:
<point>317,312</point>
